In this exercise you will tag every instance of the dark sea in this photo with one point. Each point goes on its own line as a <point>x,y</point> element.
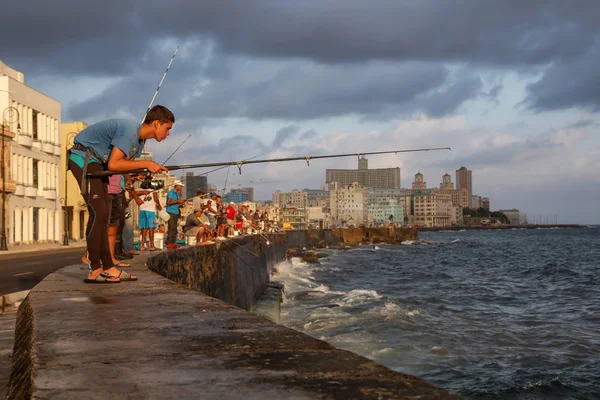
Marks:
<point>511,314</point>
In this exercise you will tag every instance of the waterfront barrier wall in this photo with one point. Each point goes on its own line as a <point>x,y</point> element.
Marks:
<point>156,339</point>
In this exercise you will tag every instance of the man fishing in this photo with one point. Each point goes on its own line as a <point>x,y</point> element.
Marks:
<point>112,145</point>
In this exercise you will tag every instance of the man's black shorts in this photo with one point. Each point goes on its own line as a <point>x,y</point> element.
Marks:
<point>115,209</point>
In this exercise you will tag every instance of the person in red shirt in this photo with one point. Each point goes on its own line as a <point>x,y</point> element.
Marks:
<point>230,211</point>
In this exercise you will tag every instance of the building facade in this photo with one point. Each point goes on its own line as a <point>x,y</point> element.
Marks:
<point>33,210</point>
<point>295,198</point>
<point>390,211</point>
<point>380,178</point>
<point>464,180</point>
<point>191,184</point>
<point>75,212</point>
<point>348,205</point>
<point>431,210</point>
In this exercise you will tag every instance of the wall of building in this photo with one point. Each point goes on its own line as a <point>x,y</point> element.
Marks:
<point>34,212</point>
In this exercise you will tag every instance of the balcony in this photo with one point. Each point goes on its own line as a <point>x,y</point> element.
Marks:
<point>48,147</point>
<point>20,190</point>
<point>24,140</point>
<point>36,144</point>
<point>50,193</point>
<point>57,150</point>
<point>31,191</point>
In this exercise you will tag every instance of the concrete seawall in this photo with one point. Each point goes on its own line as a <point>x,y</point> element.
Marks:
<point>156,339</point>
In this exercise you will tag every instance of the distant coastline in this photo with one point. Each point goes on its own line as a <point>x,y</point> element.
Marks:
<point>496,227</point>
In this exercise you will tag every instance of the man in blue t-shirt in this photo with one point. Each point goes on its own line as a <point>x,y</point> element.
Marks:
<point>111,145</point>
<point>174,201</point>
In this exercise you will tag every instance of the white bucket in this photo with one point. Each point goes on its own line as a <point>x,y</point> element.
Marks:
<point>159,240</point>
<point>164,215</point>
<point>191,240</point>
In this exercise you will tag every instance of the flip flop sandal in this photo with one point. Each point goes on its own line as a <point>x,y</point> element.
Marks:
<point>102,278</point>
<point>122,264</point>
<point>133,253</point>
<point>126,277</point>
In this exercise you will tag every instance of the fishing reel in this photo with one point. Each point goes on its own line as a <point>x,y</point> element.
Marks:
<point>152,184</point>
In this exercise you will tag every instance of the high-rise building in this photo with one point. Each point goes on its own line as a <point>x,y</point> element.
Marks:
<point>464,180</point>
<point>192,183</point>
<point>380,178</point>
<point>32,149</point>
<point>349,205</point>
<point>240,195</point>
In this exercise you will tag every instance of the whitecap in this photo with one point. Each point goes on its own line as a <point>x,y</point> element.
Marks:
<point>382,352</point>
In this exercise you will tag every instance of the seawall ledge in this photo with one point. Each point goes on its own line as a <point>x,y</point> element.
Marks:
<point>156,339</point>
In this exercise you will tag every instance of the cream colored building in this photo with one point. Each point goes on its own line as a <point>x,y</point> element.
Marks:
<point>295,198</point>
<point>379,213</point>
<point>431,209</point>
<point>348,205</point>
<point>76,214</point>
<point>33,211</point>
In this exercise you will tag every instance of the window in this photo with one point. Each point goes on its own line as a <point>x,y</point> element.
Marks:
<point>34,126</point>
<point>35,173</point>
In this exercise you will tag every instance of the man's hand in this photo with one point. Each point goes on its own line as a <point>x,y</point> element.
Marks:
<point>156,168</point>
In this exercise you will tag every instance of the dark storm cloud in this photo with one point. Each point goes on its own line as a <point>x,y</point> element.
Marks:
<point>122,37</point>
<point>568,84</point>
<point>284,134</point>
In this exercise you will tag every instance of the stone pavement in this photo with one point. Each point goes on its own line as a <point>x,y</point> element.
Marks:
<point>7,337</point>
<point>154,339</point>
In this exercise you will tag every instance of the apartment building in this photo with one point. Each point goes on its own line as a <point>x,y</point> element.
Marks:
<point>33,208</point>
<point>380,178</point>
<point>429,209</point>
<point>348,205</point>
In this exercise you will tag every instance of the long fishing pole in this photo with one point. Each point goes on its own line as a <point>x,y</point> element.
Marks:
<point>158,88</point>
<point>160,83</point>
<point>220,168</point>
<point>240,163</point>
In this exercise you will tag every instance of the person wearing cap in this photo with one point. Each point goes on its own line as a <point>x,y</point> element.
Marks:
<point>174,201</point>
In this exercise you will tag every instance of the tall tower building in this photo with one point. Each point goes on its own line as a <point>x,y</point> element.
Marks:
<point>464,180</point>
<point>419,183</point>
<point>363,163</point>
<point>447,182</point>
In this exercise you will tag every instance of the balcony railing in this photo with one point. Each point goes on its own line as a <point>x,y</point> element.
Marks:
<point>24,139</point>
<point>48,147</point>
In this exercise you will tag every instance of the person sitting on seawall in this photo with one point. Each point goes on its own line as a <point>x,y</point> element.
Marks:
<point>174,202</point>
<point>193,227</point>
<point>111,145</point>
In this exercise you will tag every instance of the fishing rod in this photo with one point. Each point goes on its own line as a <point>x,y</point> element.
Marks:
<point>240,163</point>
<point>160,83</point>
<point>220,168</point>
<point>158,88</point>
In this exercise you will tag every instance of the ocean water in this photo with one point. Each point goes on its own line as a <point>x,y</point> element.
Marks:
<point>490,314</point>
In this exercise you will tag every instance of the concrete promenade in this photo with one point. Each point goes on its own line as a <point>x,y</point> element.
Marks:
<point>155,339</point>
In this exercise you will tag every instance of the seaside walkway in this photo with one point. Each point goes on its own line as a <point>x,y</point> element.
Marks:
<point>154,339</point>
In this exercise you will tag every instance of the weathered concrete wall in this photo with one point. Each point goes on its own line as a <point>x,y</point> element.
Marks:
<point>374,235</point>
<point>235,271</point>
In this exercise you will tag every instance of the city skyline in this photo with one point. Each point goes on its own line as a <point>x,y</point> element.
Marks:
<point>510,91</point>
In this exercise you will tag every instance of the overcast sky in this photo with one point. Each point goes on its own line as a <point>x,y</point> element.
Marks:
<point>511,86</point>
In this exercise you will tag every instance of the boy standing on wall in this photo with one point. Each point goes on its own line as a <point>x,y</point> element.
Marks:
<point>111,145</point>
